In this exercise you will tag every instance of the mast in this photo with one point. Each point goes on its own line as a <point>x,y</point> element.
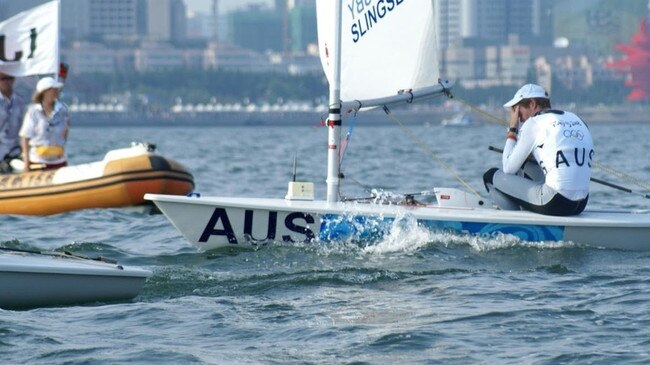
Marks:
<point>334,118</point>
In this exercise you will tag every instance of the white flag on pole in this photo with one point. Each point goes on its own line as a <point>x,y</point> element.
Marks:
<point>29,41</point>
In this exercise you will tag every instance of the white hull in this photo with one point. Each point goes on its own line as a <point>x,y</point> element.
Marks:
<point>215,222</point>
<point>29,280</point>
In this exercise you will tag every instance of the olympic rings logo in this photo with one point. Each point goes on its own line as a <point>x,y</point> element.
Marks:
<point>572,133</point>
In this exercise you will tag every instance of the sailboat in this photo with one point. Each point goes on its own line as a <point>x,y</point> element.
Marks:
<point>354,45</point>
<point>30,279</point>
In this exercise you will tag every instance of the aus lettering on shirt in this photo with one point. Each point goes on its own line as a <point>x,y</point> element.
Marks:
<point>366,13</point>
<point>577,157</point>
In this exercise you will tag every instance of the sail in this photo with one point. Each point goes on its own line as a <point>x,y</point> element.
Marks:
<point>386,46</point>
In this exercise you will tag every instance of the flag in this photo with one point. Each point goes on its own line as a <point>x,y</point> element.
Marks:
<point>29,41</point>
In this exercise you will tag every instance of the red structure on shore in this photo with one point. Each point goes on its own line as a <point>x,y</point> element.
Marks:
<point>636,62</point>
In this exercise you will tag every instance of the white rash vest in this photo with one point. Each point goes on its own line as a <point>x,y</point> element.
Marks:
<point>562,145</point>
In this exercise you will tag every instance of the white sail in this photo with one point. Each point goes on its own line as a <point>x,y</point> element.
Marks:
<point>386,46</point>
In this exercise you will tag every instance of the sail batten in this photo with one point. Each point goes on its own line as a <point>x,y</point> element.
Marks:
<point>386,45</point>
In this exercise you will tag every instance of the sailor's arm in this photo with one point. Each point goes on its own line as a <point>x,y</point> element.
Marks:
<point>24,144</point>
<point>517,148</point>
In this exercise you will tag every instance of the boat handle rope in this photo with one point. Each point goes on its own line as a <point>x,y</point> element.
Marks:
<point>608,169</point>
<point>433,155</point>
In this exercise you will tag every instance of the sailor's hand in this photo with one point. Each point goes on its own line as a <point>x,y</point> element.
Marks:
<point>514,116</point>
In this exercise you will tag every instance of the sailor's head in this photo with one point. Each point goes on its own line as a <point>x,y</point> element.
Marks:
<point>43,86</point>
<point>6,77</point>
<point>528,100</point>
<point>6,83</point>
<point>528,91</point>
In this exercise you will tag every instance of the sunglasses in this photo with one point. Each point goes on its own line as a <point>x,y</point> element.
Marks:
<point>6,78</point>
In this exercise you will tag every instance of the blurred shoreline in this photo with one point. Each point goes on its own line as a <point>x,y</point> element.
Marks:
<point>411,116</point>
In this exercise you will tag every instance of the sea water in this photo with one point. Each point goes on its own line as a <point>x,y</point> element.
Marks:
<point>415,297</point>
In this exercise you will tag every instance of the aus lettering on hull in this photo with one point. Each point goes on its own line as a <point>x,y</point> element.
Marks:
<point>249,225</point>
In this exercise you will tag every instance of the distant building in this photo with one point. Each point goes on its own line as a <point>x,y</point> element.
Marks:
<point>166,20</point>
<point>200,26</point>
<point>449,19</point>
<point>85,57</point>
<point>489,23</point>
<point>483,42</point>
<point>75,20</point>
<point>302,26</point>
<point>228,57</point>
<point>113,20</point>
<point>158,57</point>
<point>504,65</point>
<point>117,20</point>
<point>257,28</point>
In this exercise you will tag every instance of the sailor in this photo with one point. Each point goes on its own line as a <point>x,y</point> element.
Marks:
<point>12,108</point>
<point>45,128</point>
<point>556,180</point>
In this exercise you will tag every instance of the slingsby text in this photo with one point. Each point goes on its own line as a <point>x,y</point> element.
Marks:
<point>365,15</point>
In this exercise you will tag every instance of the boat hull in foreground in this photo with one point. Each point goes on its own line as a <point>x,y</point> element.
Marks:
<point>29,280</point>
<point>119,180</point>
<point>214,222</point>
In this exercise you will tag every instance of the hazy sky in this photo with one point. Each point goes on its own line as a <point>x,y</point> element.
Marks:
<point>224,5</point>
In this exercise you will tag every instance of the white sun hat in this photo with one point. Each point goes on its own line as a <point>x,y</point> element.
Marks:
<point>47,83</point>
<point>527,91</point>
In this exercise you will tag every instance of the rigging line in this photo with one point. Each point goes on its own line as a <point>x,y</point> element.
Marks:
<point>363,186</point>
<point>431,153</point>
<point>489,116</point>
<point>626,177</point>
<point>346,141</point>
<point>608,169</point>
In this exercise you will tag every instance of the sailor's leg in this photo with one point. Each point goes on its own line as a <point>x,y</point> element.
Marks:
<point>514,192</point>
<point>532,171</point>
<point>500,199</point>
<point>521,191</point>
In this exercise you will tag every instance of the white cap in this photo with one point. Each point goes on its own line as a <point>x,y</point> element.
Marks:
<point>47,83</point>
<point>527,91</point>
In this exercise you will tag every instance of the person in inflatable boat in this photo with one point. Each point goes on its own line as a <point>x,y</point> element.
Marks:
<point>45,128</point>
<point>556,180</point>
<point>12,108</point>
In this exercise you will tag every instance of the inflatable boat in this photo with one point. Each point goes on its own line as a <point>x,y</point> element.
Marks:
<point>119,180</point>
